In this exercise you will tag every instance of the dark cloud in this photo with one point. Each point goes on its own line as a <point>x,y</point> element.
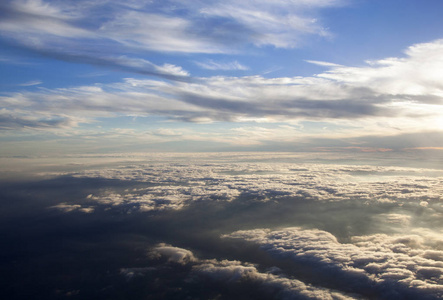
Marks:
<point>312,109</point>
<point>114,62</point>
<point>8,121</point>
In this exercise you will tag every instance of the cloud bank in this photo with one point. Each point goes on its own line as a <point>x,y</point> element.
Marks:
<point>185,184</point>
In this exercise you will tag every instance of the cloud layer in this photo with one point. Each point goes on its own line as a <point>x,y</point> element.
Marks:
<point>257,225</point>
<point>176,26</point>
<point>184,184</point>
<point>386,97</point>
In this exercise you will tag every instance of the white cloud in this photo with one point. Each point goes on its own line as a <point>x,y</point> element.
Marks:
<point>389,97</point>
<point>31,83</point>
<point>156,32</point>
<point>367,261</point>
<point>174,254</point>
<point>191,182</point>
<point>33,21</point>
<point>414,75</point>
<point>323,63</point>
<point>175,26</point>
<point>277,23</point>
<point>236,272</point>
<point>224,66</point>
<point>65,207</point>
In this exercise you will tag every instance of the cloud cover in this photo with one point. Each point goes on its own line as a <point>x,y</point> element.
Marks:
<point>180,185</point>
<point>177,26</point>
<point>386,97</point>
<point>258,225</point>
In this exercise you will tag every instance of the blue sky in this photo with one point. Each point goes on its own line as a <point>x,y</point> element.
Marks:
<point>329,75</point>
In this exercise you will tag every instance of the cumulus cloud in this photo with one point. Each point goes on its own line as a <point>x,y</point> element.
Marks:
<point>65,207</point>
<point>405,77</point>
<point>176,186</point>
<point>239,273</point>
<point>174,254</point>
<point>399,263</point>
<point>357,231</point>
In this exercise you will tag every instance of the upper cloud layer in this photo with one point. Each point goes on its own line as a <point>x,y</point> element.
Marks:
<point>389,96</point>
<point>173,26</point>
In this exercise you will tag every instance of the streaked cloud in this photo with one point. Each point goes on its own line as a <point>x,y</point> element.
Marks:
<point>31,83</point>
<point>224,66</point>
<point>100,32</point>
<point>387,97</point>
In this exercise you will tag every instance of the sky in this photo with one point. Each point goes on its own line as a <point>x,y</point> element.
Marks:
<point>287,149</point>
<point>148,76</point>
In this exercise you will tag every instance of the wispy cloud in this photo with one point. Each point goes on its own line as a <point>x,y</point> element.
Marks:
<point>323,63</point>
<point>224,66</point>
<point>82,30</point>
<point>31,83</point>
<point>385,98</point>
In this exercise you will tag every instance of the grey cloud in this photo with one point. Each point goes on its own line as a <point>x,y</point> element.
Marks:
<point>174,254</point>
<point>289,106</point>
<point>9,121</point>
<point>115,62</point>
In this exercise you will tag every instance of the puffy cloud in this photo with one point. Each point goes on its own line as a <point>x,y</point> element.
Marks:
<point>130,273</point>
<point>320,182</point>
<point>413,194</point>
<point>403,263</point>
<point>65,207</point>
<point>174,254</point>
<point>411,78</point>
<point>239,273</point>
